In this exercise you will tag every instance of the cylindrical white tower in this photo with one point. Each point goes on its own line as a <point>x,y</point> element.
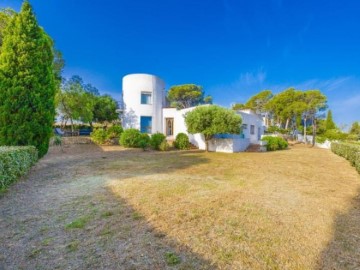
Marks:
<point>144,99</point>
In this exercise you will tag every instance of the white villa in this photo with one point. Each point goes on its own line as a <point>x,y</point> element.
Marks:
<point>145,109</point>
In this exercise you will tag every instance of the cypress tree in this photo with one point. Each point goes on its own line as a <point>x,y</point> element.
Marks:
<point>329,122</point>
<point>27,83</point>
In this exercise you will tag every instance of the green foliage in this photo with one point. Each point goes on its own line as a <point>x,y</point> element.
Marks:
<point>5,17</point>
<point>211,120</point>
<point>80,101</point>
<point>102,136</point>
<point>99,136</point>
<point>144,141</point>
<point>172,259</point>
<point>133,138</point>
<point>334,135</point>
<point>275,129</point>
<point>164,146</point>
<point>275,143</point>
<point>238,106</point>
<point>27,83</point>
<point>349,151</point>
<point>114,132</point>
<point>15,162</point>
<point>286,106</point>
<point>182,141</point>
<point>355,129</point>
<point>259,102</point>
<point>329,122</point>
<point>320,139</point>
<point>105,109</point>
<point>74,102</point>
<point>156,140</point>
<point>187,95</point>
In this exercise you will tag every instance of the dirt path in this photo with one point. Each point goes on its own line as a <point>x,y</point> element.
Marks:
<point>64,217</point>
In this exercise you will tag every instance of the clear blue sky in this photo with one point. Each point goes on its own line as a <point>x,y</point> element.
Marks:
<point>233,48</point>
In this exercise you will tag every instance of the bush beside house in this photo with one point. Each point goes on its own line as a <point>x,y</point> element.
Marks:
<point>182,141</point>
<point>102,136</point>
<point>156,140</point>
<point>349,151</point>
<point>275,143</point>
<point>15,161</point>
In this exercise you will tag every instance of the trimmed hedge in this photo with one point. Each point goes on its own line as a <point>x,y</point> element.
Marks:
<point>182,141</point>
<point>275,143</point>
<point>15,161</point>
<point>349,151</point>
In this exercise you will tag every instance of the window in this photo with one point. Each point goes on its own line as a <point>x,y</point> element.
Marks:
<point>145,124</point>
<point>252,129</point>
<point>244,126</point>
<point>145,98</point>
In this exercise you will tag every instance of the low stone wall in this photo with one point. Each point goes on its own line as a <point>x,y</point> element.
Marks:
<point>76,140</point>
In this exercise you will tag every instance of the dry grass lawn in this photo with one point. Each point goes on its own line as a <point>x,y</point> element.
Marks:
<point>292,209</point>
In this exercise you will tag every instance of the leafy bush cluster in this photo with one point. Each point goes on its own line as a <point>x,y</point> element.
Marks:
<point>15,161</point>
<point>133,138</point>
<point>102,136</point>
<point>156,140</point>
<point>275,143</point>
<point>182,141</point>
<point>332,135</point>
<point>349,151</point>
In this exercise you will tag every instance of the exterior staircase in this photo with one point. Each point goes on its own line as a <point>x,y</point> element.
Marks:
<point>253,148</point>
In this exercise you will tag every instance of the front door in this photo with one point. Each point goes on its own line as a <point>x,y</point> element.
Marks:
<point>169,126</point>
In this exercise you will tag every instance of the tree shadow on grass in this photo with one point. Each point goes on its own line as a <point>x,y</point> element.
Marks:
<point>63,216</point>
<point>343,251</point>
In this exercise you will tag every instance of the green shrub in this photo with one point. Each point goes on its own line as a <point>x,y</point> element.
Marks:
<point>275,143</point>
<point>182,141</point>
<point>143,141</point>
<point>156,140</point>
<point>164,146</point>
<point>114,132</point>
<point>349,151</point>
<point>99,136</point>
<point>15,161</point>
<point>134,138</point>
<point>335,135</point>
<point>320,139</point>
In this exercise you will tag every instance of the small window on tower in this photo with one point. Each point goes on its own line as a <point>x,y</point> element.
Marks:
<point>145,98</point>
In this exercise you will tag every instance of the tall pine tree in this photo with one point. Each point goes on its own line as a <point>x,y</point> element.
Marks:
<point>329,122</point>
<point>27,83</point>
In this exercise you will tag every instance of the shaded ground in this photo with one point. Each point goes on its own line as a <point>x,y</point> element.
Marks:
<point>110,208</point>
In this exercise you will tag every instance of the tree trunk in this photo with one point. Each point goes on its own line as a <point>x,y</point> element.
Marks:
<point>314,131</point>
<point>72,125</point>
<point>287,123</point>
<point>305,130</point>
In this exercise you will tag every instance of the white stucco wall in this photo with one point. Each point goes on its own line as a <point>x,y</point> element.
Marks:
<point>133,85</point>
<point>232,145</point>
<point>249,118</point>
<point>180,126</point>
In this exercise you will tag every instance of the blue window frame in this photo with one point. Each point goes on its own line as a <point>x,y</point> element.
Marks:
<point>145,124</point>
<point>145,98</point>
